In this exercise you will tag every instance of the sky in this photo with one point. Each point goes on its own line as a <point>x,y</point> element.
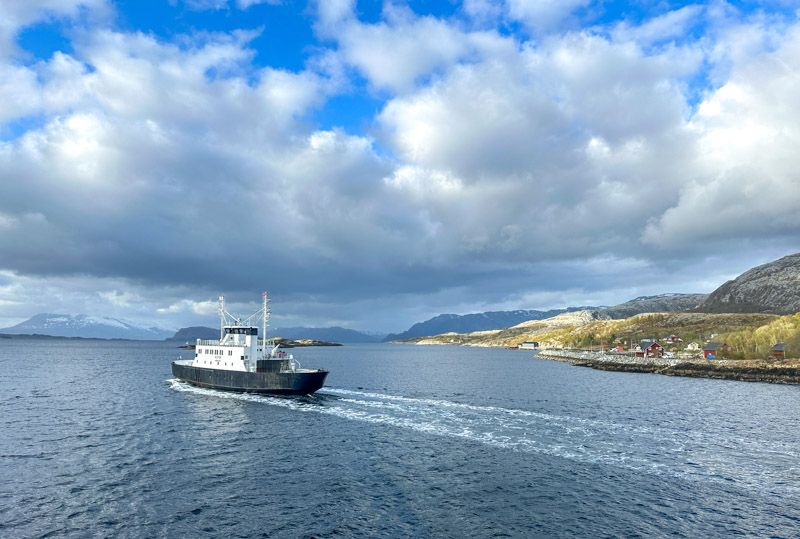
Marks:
<point>372,164</point>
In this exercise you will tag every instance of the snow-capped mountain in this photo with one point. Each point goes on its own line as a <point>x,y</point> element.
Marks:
<point>81,325</point>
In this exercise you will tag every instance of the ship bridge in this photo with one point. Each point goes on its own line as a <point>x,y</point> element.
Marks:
<point>239,347</point>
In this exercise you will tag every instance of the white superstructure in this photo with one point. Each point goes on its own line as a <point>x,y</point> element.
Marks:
<point>239,348</point>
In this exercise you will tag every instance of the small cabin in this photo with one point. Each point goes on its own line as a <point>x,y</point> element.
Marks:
<point>649,349</point>
<point>713,350</point>
<point>778,351</point>
<point>529,345</point>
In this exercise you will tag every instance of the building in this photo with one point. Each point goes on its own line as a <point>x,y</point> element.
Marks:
<point>529,345</point>
<point>649,349</point>
<point>713,350</point>
<point>693,346</point>
<point>778,351</point>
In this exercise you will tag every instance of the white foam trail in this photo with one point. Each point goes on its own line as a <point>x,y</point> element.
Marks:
<point>682,454</point>
<point>612,427</point>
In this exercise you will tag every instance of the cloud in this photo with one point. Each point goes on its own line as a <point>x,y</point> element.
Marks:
<point>745,169</point>
<point>205,308</point>
<point>542,16</point>
<point>548,148</point>
<point>499,171</point>
<point>245,4</point>
<point>669,26</point>
<point>215,5</point>
<point>398,51</point>
<point>17,15</point>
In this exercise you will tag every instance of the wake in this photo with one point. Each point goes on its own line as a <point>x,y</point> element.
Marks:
<point>683,454</point>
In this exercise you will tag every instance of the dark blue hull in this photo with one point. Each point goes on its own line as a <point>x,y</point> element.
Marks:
<point>280,383</point>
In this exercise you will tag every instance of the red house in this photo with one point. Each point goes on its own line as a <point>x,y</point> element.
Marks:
<point>649,349</point>
<point>778,351</point>
<point>713,350</point>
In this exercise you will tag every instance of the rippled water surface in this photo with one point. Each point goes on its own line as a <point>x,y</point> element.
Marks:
<point>97,439</point>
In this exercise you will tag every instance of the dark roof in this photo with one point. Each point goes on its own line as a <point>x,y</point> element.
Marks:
<point>779,347</point>
<point>713,345</point>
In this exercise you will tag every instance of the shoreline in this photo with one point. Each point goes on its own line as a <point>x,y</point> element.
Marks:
<point>769,371</point>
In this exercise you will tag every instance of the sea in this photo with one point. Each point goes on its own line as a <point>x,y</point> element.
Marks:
<point>98,440</point>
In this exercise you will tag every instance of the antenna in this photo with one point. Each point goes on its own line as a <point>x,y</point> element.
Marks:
<point>264,319</point>
<point>221,317</point>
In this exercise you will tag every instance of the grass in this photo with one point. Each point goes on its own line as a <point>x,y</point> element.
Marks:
<point>750,336</point>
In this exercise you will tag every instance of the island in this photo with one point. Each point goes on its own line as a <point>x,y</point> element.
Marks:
<point>283,343</point>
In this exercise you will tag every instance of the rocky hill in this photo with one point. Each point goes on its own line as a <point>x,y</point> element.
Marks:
<point>514,335</point>
<point>193,333</point>
<point>466,323</point>
<point>590,328</point>
<point>770,288</point>
<point>81,325</point>
<point>331,334</point>
<point>662,303</point>
<point>469,323</point>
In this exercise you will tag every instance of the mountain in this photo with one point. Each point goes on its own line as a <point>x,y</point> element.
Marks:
<point>589,328</point>
<point>81,325</point>
<point>770,288</point>
<point>193,333</point>
<point>466,323</point>
<point>332,334</point>
<point>662,303</point>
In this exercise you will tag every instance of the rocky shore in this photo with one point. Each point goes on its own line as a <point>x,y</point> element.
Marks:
<point>772,371</point>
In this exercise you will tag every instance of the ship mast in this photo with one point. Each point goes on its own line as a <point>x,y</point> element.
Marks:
<point>264,319</point>
<point>221,317</point>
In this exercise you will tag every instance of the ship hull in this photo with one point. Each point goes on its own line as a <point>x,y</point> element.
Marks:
<point>277,383</point>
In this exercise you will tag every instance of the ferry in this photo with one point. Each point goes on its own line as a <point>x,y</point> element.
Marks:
<point>240,361</point>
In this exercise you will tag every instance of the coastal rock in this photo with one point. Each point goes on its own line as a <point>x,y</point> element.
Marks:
<point>776,372</point>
